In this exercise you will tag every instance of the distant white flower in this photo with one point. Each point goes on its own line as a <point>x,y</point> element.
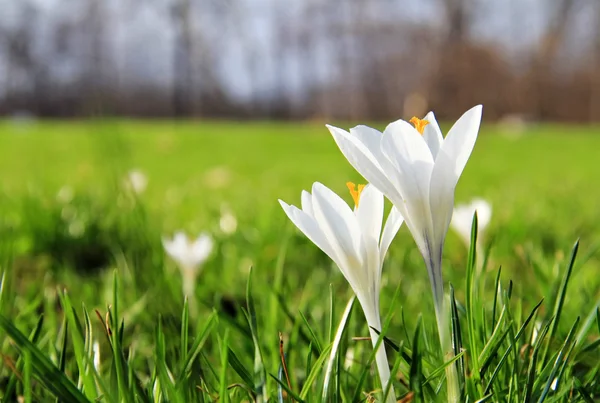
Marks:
<point>137,180</point>
<point>188,254</point>
<point>463,218</point>
<point>418,169</point>
<point>227,222</point>
<point>355,241</point>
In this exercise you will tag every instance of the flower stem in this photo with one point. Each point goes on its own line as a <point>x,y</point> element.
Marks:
<point>189,289</point>
<point>434,266</point>
<point>374,322</point>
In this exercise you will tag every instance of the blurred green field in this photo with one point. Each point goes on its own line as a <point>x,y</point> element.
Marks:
<point>543,184</point>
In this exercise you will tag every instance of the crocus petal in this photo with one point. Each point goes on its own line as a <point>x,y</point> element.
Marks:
<point>370,138</point>
<point>306,200</point>
<point>339,225</point>
<point>369,212</point>
<point>408,153</point>
<point>201,248</point>
<point>365,160</point>
<point>458,144</point>
<point>410,156</point>
<point>369,215</point>
<point>441,204</point>
<point>449,164</point>
<point>390,229</point>
<point>309,227</point>
<point>432,134</point>
<point>407,150</point>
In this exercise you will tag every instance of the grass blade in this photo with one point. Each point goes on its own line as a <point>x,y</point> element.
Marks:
<point>46,372</point>
<point>562,293</point>
<point>335,345</point>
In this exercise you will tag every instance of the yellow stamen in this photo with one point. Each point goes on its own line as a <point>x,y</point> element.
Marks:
<point>355,191</point>
<point>419,123</point>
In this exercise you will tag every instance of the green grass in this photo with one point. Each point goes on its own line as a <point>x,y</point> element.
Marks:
<point>544,187</point>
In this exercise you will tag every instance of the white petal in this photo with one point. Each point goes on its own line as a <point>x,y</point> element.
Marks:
<point>309,227</point>
<point>442,203</point>
<point>306,200</point>
<point>176,248</point>
<point>449,164</point>
<point>458,144</point>
<point>364,159</point>
<point>406,143</point>
<point>339,225</point>
<point>409,154</point>
<point>201,248</point>
<point>392,225</point>
<point>370,138</point>
<point>432,134</point>
<point>369,212</point>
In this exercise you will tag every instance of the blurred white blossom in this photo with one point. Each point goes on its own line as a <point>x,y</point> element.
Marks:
<point>190,255</point>
<point>463,218</point>
<point>187,253</point>
<point>137,181</point>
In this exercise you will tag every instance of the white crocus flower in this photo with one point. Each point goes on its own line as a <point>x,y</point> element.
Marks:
<point>417,169</point>
<point>189,255</point>
<point>355,241</point>
<point>462,219</point>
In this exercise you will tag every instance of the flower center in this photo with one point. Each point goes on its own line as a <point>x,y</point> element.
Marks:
<point>419,123</point>
<point>355,191</point>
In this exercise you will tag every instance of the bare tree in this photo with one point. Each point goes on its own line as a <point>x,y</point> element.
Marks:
<point>541,74</point>
<point>594,112</point>
<point>457,16</point>
<point>182,58</point>
<point>95,67</point>
<point>25,76</point>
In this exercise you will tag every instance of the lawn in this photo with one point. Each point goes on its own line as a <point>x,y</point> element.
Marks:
<point>543,184</point>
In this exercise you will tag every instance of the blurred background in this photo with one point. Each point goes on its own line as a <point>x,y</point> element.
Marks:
<point>310,59</point>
